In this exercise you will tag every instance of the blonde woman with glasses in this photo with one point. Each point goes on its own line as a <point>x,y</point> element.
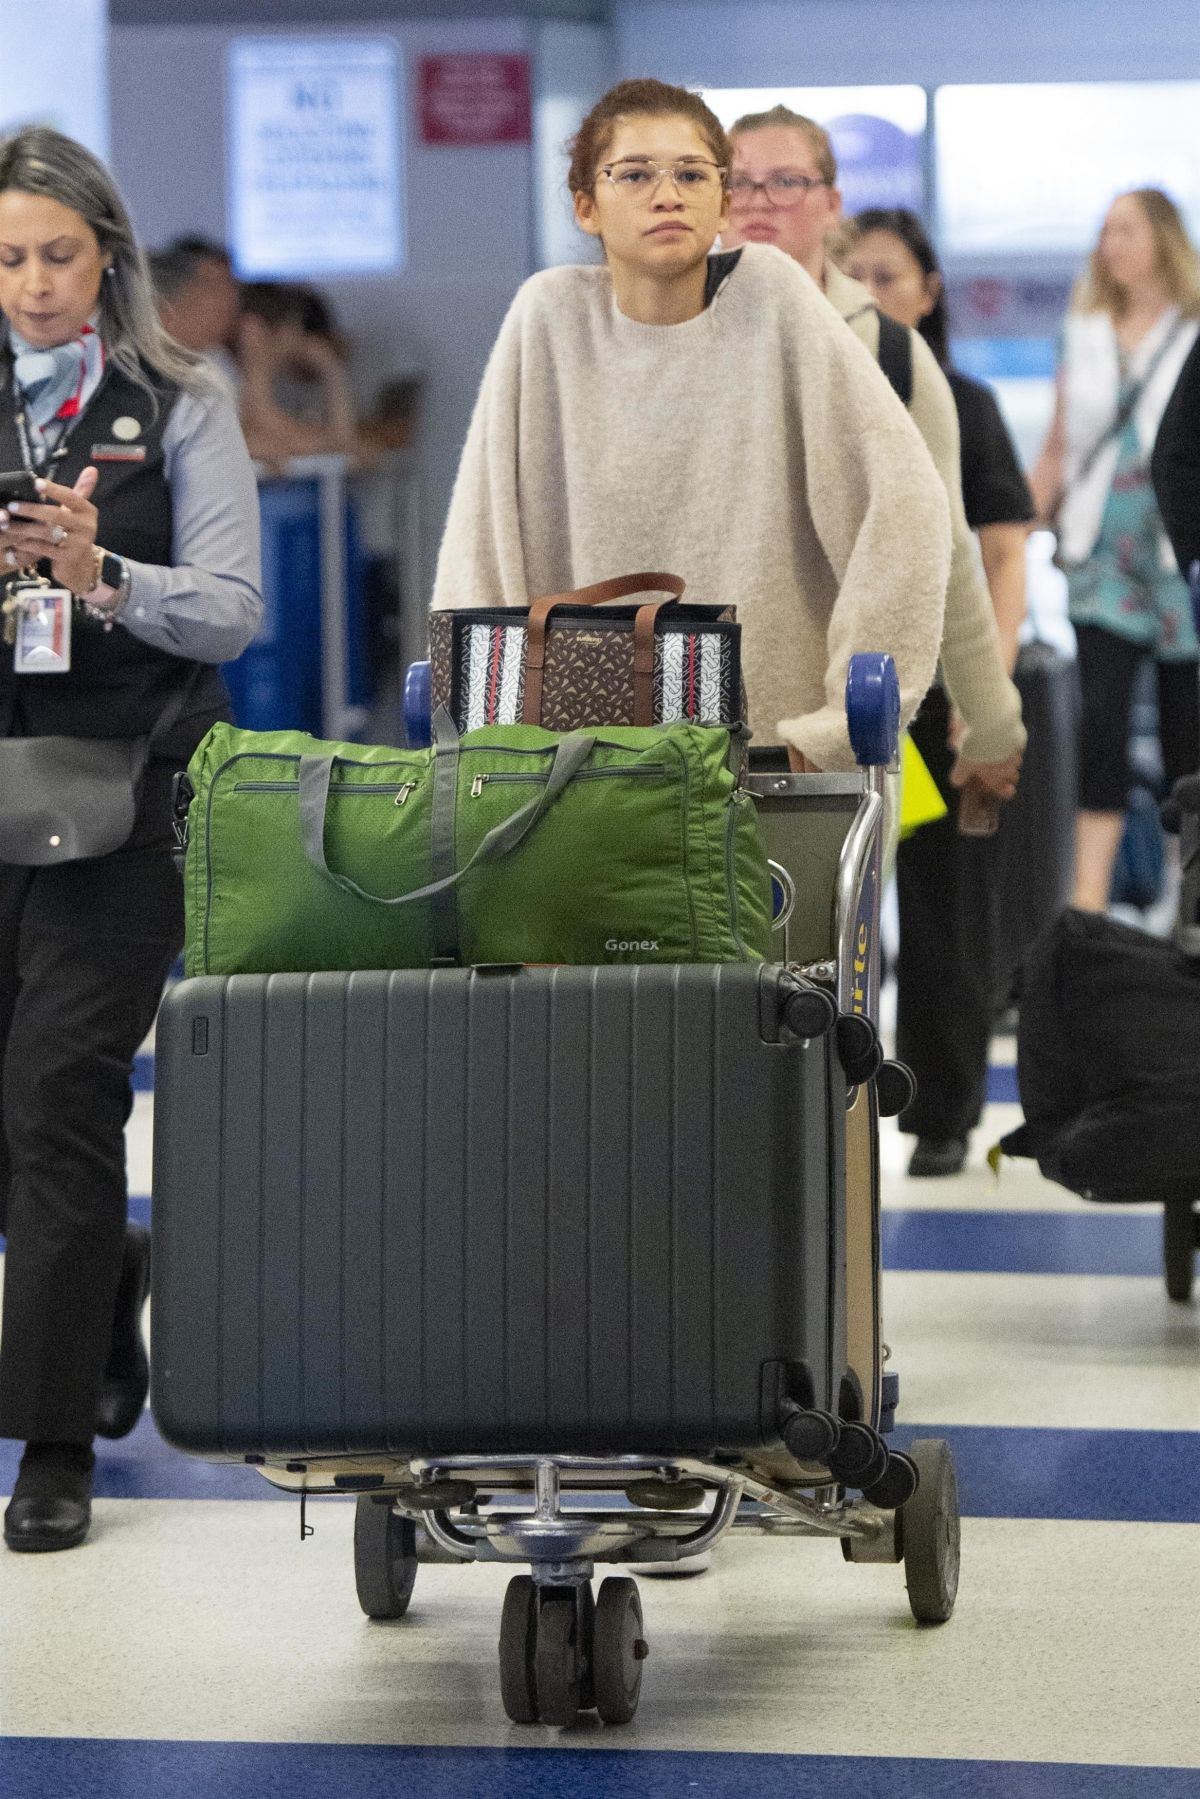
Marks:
<point>784,193</point>
<point>1132,322</point>
<point>704,414</point>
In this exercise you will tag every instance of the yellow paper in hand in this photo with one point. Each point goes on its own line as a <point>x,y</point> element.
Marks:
<point>920,801</point>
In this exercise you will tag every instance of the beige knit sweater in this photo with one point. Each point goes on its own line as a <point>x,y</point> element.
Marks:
<point>756,450</point>
<point>972,664</point>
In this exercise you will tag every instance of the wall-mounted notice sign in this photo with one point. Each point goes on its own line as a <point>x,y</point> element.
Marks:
<point>314,156</point>
<point>475,100</point>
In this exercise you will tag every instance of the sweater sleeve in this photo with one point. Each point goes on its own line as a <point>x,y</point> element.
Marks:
<point>481,561</point>
<point>880,512</point>
<point>972,665</point>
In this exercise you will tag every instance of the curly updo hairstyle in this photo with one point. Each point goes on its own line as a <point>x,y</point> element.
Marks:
<point>639,99</point>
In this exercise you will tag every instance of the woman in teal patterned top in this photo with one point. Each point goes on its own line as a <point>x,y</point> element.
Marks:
<point>1132,323</point>
<point>1123,586</point>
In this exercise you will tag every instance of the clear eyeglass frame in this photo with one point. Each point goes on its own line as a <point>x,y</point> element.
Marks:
<point>783,192</point>
<point>634,180</point>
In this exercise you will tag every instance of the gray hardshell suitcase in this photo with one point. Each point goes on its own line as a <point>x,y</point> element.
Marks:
<point>584,1211</point>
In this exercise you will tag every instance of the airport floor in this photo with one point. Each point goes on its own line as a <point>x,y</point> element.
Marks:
<point>195,1646</point>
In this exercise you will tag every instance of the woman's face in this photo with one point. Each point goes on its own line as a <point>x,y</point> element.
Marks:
<point>784,154</point>
<point>1127,247</point>
<point>51,267</point>
<point>652,224</point>
<point>898,284</point>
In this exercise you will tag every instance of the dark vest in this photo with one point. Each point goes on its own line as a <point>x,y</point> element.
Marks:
<point>116,686</point>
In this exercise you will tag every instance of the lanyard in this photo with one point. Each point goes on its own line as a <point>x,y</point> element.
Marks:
<point>57,450</point>
<point>53,455</point>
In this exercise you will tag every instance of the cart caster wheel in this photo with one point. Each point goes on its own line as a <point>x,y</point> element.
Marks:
<point>560,1658</point>
<point>1181,1237</point>
<point>518,1649</point>
<point>859,1457</point>
<point>896,1485</point>
<point>385,1558</point>
<point>618,1651</point>
<point>895,1089</point>
<point>807,1435</point>
<point>929,1531</point>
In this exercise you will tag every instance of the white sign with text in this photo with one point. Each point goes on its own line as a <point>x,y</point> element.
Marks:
<point>314,156</point>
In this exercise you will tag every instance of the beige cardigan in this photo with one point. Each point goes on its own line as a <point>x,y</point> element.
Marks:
<point>972,664</point>
<point>756,450</point>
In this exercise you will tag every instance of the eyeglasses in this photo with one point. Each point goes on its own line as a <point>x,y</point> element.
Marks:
<point>639,180</point>
<point>781,191</point>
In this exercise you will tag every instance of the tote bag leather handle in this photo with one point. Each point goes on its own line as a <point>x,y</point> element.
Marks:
<point>620,588</point>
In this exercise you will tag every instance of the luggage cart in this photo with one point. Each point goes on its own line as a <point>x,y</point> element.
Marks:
<point>824,1468</point>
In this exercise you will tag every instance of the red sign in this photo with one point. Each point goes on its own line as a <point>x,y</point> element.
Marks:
<point>475,100</point>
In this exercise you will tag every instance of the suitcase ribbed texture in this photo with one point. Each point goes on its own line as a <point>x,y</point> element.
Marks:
<point>561,1210</point>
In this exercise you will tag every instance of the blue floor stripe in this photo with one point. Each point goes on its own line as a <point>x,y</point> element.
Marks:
<point>1106,1241</point>
<point>1136,1476</point>
<point>143,1073</point>
<point>1002,1085</point>
<point>102,1768</point>
<point>1133,1476</point>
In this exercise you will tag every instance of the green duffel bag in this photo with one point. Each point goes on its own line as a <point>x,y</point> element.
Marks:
<point>508,845</point>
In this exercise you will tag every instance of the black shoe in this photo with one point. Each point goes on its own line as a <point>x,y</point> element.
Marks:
<point>51,1506</point>
<point>938,1156</point>
<point>127,1377</point>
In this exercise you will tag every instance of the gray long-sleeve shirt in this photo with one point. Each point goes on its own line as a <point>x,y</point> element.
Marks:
<point>208,604</point>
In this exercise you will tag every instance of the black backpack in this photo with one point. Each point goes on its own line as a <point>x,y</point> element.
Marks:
<point>1108,1062</point>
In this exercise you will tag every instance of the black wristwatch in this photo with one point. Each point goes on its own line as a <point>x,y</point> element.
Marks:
<point>111,589</point>
<point>112,570</point>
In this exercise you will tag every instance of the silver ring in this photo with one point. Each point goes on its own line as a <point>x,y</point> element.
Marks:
<point>10,558</point>
<point>58,535</point>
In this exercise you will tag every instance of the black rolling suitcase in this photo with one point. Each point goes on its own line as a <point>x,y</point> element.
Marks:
<point>571,1211</point>
<point>1035,849</point>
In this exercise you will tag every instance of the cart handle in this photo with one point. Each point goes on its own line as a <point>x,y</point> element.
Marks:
<point>873,709</point>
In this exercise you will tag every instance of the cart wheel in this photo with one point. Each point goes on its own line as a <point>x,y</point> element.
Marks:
<point>929,1529</point>
<point>385,1558</point>
<point>518,1645</point>
<point>1181,1234</point>
<point>559,1657</point>
<point>587,1684</point>
<point>618,1651</point>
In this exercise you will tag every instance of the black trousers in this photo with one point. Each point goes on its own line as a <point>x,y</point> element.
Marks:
<point>84,951</point>
<point>1108,667</point>
<point>946,970</point>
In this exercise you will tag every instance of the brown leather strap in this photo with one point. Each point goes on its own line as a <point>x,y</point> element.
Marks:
<point>620,588</point>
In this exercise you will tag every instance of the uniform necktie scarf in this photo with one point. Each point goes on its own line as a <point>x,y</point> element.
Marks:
<point>56,383</point>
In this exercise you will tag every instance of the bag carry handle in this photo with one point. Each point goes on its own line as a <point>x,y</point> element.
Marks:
<point>316,774</point>
<point>620,588</point>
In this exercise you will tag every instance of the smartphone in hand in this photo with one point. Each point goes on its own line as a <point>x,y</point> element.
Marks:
<point>978,812</point>
<point>19,487</point>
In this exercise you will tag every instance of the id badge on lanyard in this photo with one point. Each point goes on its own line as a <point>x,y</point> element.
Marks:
<point>37,614</point>
<point>37,622</point>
